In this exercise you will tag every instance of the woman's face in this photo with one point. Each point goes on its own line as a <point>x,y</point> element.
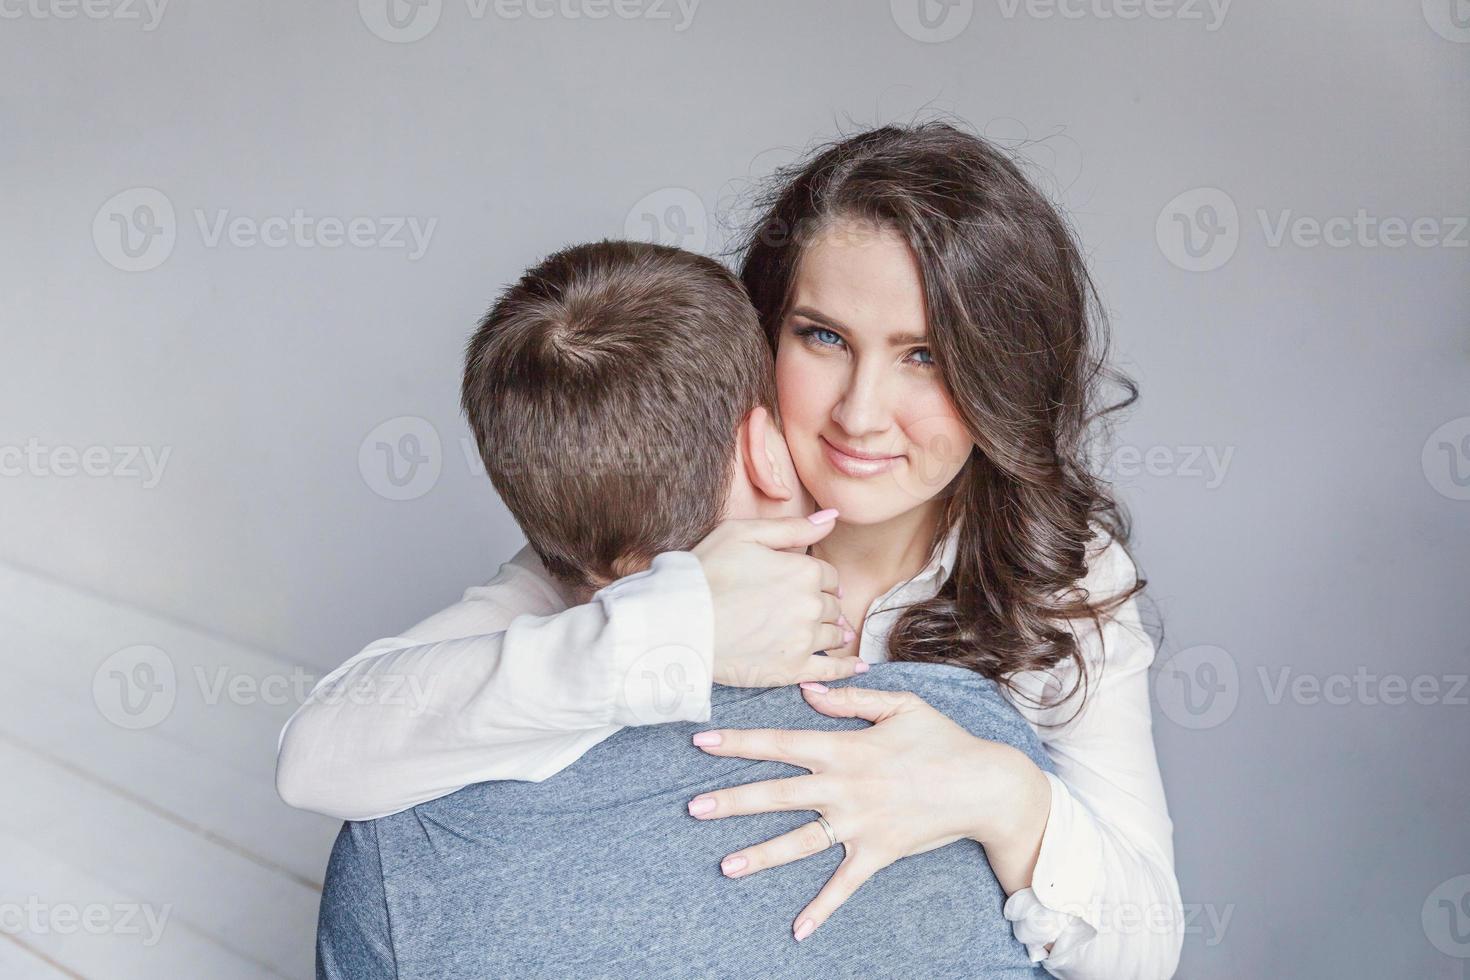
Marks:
<point>870,425</point>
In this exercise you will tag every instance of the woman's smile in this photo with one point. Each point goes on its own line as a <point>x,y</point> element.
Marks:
<point>857,463</point>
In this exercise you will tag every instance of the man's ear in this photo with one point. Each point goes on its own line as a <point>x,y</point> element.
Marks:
<point>767,461</point>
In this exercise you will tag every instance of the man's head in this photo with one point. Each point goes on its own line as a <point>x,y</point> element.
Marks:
<point>623,401</point>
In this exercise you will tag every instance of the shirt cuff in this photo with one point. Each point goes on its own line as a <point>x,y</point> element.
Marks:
<point>1060,911</point>
<point>662,626</point>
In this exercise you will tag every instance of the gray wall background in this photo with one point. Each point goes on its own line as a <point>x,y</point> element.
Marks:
<point>1298,468</point>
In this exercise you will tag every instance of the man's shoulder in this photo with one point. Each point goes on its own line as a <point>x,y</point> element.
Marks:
<point>970,700</point>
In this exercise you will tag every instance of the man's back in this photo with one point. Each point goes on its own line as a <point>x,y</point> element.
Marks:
<point>599,870</point>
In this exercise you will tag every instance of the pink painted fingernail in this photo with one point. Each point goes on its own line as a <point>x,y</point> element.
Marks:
<point>861,667</point>
<point>823,516</point>
<point>839,590</point>
<point>847,637</point>
<point>733,865</point>
<point>814,686</point>
<point>805,928</point>
<point>701,805</point>
<point>707,738</point>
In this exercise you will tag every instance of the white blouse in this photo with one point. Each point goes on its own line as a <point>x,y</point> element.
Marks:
<point>512,682</point>
<point>1104,900</point>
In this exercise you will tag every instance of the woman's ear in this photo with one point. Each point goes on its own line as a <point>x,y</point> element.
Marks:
<point>767,460</point>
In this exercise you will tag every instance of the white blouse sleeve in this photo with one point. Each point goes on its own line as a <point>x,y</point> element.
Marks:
<point>507,683</point>
<point>1104,900</point>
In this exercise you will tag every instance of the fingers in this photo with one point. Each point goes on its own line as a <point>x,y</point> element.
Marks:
<point>830,669</point>
<point>797,748</point>
<point>831,611</point>
<point>830,582</point>
<point>829,636</point>
<point>803,842</point>
<point>850,875</point>
<point>789,532</point>
<point>858,702</point>
<point>770,796</point>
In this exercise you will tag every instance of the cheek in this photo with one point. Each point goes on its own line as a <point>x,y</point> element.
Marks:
<point>803,391</point>
<point>939,440</point>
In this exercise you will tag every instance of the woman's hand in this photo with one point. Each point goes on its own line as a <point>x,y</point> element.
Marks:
<point>912,782</point>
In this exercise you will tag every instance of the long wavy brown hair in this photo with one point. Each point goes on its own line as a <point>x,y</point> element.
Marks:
<point>1018,334</point>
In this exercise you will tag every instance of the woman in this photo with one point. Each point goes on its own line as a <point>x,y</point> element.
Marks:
<point>938,359</point>
<point>938,363</point>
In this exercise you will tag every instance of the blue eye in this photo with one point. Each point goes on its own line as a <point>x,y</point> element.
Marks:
<point>820,336</point>
<point>922,356</point>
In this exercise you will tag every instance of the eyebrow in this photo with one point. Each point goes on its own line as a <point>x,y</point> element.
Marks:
<point>894,339</point>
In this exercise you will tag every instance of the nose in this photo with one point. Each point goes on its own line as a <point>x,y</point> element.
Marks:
<point>863,409</point>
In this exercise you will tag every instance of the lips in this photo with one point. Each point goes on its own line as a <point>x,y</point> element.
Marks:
<point>855,462</point>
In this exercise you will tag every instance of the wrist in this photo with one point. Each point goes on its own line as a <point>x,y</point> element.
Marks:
<point>1012,822</point>
<point>660,625</point>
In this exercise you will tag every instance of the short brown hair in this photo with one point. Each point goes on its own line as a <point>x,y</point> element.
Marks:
<point>605,390</point>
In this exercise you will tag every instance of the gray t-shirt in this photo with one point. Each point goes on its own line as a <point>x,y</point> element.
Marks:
<point>599,871</point>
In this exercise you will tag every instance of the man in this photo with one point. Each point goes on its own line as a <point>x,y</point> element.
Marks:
<point>599,871</point>
<point>622,400</point>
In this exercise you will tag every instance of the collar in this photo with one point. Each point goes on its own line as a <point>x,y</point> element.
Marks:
<point>936,572</point>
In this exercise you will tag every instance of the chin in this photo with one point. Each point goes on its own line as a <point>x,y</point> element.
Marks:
<point>864,504</point>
